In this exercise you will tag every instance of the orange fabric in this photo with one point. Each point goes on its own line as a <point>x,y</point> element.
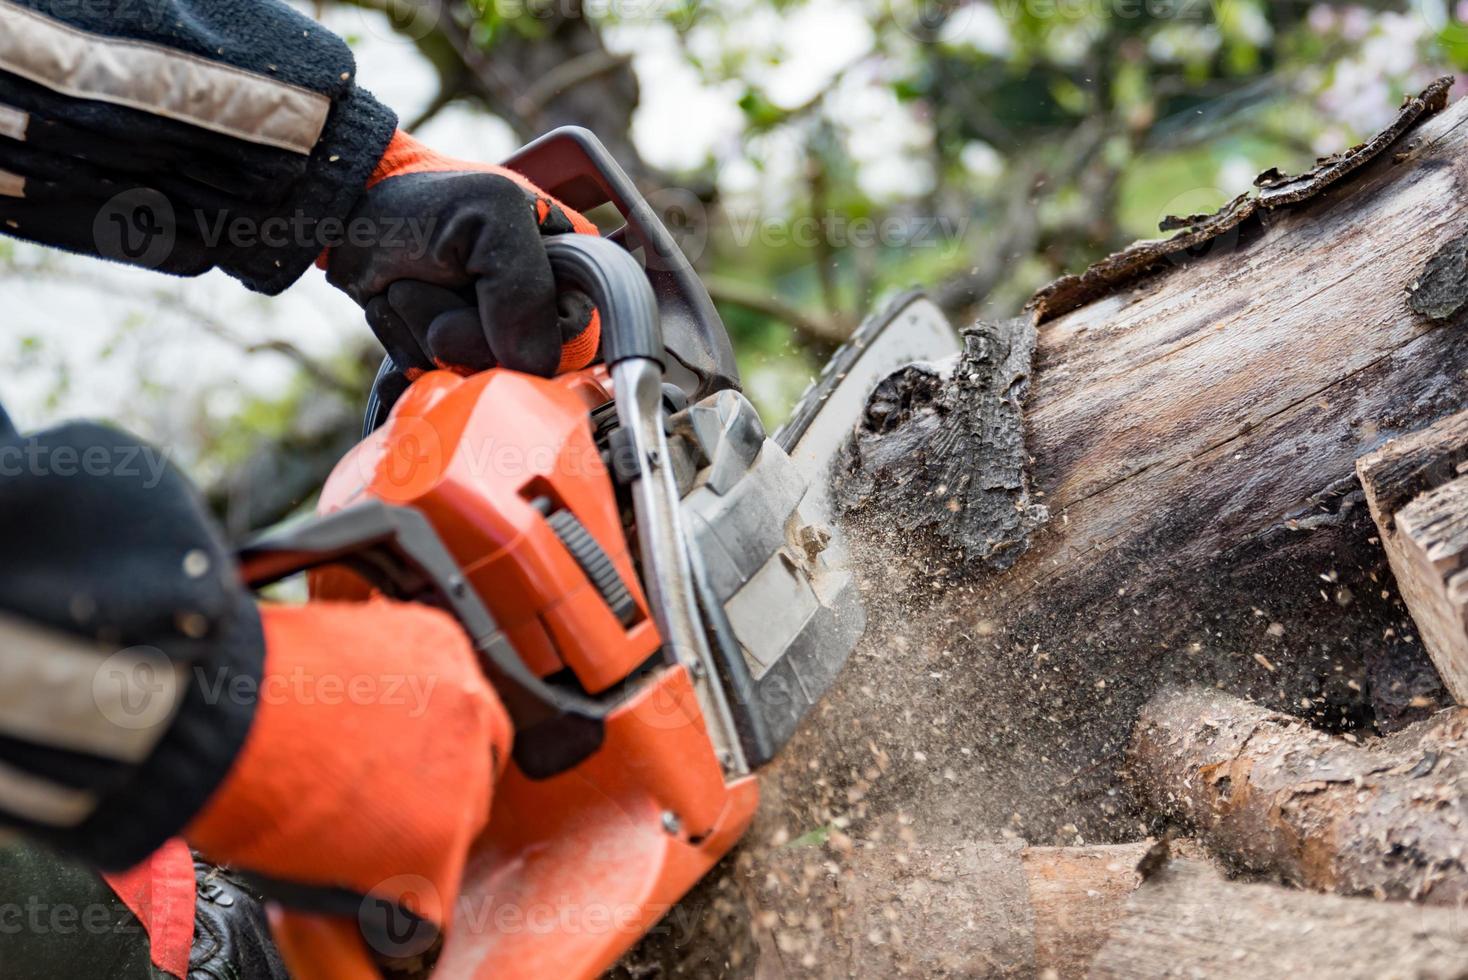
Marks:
<point>160,892</point>
<point>371,760</point>
<point>581,349</point>
<point>405,155</point>
<point>318,946</point>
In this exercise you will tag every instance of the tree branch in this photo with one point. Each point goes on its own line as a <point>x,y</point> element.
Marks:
<point>1020,229</point>
<point>568,75</point>
<point>813,331</point>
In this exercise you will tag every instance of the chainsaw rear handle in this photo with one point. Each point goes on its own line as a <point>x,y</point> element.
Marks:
<point>397,551</point>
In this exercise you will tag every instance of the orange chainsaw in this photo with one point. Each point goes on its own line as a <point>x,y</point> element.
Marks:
<point>657,589</point>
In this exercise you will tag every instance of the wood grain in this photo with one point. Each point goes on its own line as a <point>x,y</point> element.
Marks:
<point>1432,533</point>
<point>1420,505</point>
<point>1187,921</point>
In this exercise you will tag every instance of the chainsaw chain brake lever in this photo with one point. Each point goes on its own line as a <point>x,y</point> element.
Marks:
<point>397,551</point>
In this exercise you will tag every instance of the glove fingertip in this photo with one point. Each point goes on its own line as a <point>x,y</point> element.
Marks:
<point>457,342</point>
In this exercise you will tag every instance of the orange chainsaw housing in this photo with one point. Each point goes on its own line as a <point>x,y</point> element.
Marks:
<point>573,869</point>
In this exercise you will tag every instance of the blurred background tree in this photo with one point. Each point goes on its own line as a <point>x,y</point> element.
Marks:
<point>816,157</point>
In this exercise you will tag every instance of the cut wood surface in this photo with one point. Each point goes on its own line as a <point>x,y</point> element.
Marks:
<point>1404,469</point>
<point>1187,921</point>
<point>1077,894</point>
<point>1420,504</point>
<point>1386,817</point>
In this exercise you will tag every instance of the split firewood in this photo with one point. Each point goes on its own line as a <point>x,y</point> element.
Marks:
<point>1386,817</point>
<point>1187,921</point>
<point>1419,499</point>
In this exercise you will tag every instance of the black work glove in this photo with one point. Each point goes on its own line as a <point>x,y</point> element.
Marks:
<point>447,260</point>
<point>107,549</point>
<point>231,932</point>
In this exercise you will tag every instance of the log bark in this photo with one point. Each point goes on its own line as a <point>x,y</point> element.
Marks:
<point>1187,921</point>
<point>1420,506</point>
<point>1385,817</point>
<point>1193,428</point>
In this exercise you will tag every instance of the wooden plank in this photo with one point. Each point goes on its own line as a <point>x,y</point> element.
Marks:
<point>1429,552</point>
<point>1420,504</point>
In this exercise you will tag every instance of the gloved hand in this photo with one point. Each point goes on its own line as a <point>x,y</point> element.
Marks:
<point>447,261</point>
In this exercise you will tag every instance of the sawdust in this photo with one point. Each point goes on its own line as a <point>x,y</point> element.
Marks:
<point>984,712</point>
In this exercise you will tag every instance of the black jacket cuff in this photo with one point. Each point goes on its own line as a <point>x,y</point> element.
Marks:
<point>356,136</point>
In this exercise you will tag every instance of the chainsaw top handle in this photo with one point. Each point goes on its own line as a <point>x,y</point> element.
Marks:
<point>634,349</point>
<point>572,165</point>
<point>611,278</point>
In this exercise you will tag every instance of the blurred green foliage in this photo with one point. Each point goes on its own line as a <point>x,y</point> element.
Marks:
<point>977,148</point>
<point>1185,101</point>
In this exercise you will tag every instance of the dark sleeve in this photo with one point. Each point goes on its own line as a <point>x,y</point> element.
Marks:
<point>132,654</point>
<point>182,135</point>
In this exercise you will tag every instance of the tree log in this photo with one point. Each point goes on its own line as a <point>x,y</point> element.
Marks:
<point>1385,817</point>
<point>1194,435</point>
<point>1420,505</point>
<point>1187,921</point>
<point>1193,430</point>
